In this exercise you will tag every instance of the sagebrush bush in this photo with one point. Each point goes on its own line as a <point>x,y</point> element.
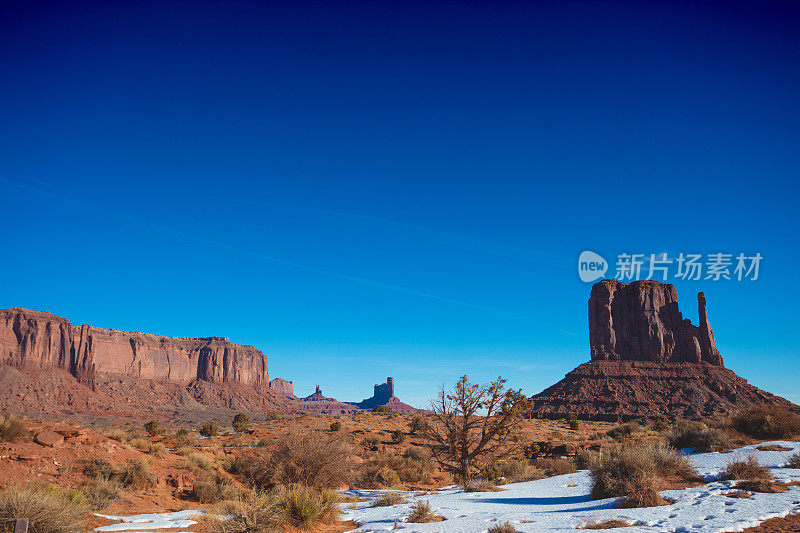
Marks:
<point>767,422</point>
<point>382,410</point>
<point>417,425</point>
<point>140,443</point>
<point>698,436</point>
<point>398,436</point>
<point>12,428</point>
<point>153,428</point>
<point>157,450</point>
<point>101,491</point>
<point>747,469</point>
<point>388,499</point>
<point>307,460</point>
<point>241,422</point>
<point>209,429</point>
<point>99,467</point>
<point>555,466</point>
<point>636,472</point>
<point>421,513</point>
<point>199,461</point>
<point>336,425</point>
<point>510,471</point>
<point>47,510</point>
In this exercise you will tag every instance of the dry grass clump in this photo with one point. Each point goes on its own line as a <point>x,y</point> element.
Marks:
<point>794,461</point>
<point>285,507</point>
<point>696,435</point>
<point>596,523</point>
<point>482,485</point>
<point>184,450</point>
<point>555,466</point>
<point>47,510</point>
<point>624,431</point>
<point>747,470</point>
<point>212,488</point>
<point>307,460</point>
<point>738,494</point>
<point>421,513</point>
<point>389,470</point>
<point>199,461</point>
<point>101,491</point>
<point>510,471</point>
<point>505,527</point>
<point>767,422</point>
<point>157,450</point>
<point>761,486</point>
<point>118,435</point>
<point>12,428</point>
<point>388,499</point>
<point>99,467</point>
<point>140,443</point>
<point>635,473</point>
<point>135,473</point>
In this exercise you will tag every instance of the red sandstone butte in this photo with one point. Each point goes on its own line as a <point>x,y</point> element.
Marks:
<point>37,339</point>
<point>647,361</point>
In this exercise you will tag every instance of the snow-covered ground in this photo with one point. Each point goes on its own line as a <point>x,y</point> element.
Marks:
<point>562,503</point>
<point>146,522</point>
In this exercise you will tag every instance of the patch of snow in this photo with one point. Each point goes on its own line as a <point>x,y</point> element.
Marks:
<point>143,522</point>
<point>561,503</point>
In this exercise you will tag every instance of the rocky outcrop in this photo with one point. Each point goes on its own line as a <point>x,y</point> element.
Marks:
<point>382,395</point>
<point>283,387</point>
<point>318,397</point>
<point>36,339</point>
<point>647,361</point>
<point>640,321</point>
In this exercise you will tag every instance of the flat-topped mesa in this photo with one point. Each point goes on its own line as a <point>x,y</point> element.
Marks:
<point>36,339</point>
<point>640,321</point>
<point>283,387</point>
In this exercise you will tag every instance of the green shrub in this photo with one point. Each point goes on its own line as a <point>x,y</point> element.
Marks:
<point>398,436</point>
<point>624,431</point>
<point>767,422</point>
<point>273,415</point>
<point>336,425</point>
<point>157,450</point>
<point>153,428</point>
<point>240,422</point>
<point>47,510</point>
<point>382,409</point>
<point>659,425</point>
<point>417,425</point>
<point>12,428</point>
<point>209,429</point>
<point>99,467</point>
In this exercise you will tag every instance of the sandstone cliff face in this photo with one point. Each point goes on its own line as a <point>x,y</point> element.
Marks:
<point>283,387</point>
<point>640,321</point>
<point>36,339</point>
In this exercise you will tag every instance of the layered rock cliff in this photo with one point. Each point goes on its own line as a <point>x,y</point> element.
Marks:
<point>647,361</point>
<point>36,339</point>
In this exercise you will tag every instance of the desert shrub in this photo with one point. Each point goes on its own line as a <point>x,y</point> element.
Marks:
<point>182,434</point>
<point>421,513</point>
<point>211,488</point>
<point>659,425</point>
<point>388,470</point>
<point>624,431</point>
<point>241,422</point>
<point>209,429</point>
<point>273,415</point>
<point>157,450</point>
<point>532,450</point>
<point>748,470</point>
<point>759,485</point>
<point>398,436</point>
<point>101,491</point>
<point>184,450</point>
<point>585,459</point>
<point>199,461</point>
<point>12,428</point>
<point>417,425</point>
<point>99,467</point>
<point>794,461</point>
<point>47,510</point>
<point>510,471</point>
<point>135,473</point>
<point>118,435</point>
<point>504,527</point>
<point>572,421</point>
<point>772,448</point>
<point>153,428</point>
<point>336,425</point>
<point>696,435</point>
<point>635,473</point>
<point>306,460</point>
<point>371,441</point>
<point>388,499</point>
<point>767,422</point>
<point>555,466</point>
<point>482,485</point>
<point>141,444</point>
<point>303,507</point>
<point>382,409</point>
<point>596,523</point>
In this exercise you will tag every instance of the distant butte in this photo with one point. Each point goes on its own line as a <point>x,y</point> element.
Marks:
<point>647,361</point>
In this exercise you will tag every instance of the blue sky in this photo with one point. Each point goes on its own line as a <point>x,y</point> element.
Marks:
<point>398,188</point>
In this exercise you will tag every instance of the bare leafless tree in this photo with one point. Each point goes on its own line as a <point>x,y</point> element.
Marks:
<point>473,421</point>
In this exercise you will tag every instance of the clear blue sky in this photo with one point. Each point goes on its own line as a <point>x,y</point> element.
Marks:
<point>398,188</point>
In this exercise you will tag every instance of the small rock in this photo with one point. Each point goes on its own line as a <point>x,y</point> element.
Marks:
<point>49,438</point>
